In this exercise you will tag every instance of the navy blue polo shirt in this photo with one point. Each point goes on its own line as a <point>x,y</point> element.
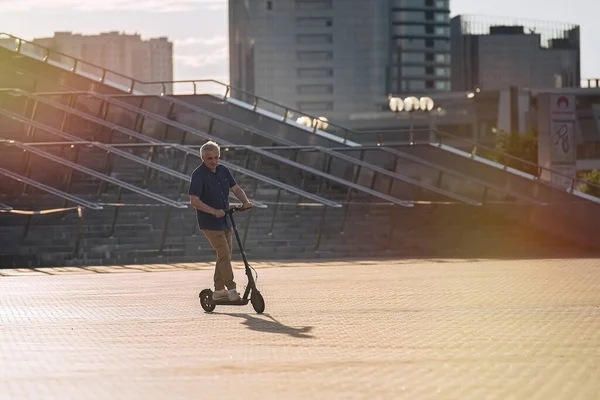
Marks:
<point>213,189</point>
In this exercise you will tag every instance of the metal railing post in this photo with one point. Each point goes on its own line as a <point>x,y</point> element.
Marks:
<point>149,171</point>
<point>67,115</point>
<point>26,227</point>
<point>349,196</point>
<point>168,126</point>
<point>210,125</point>
<point>69,177</point>
<point>392,181</point>
<point>106,164</point>
<point>224,96</point>
<point>79,232</point>
<point>392,227</point>
<point>165,231</point>
<point>103,113</point>
<point>272,224</point>
<point>30,136</point>
<point>320,233</point>
<point>116,213</point>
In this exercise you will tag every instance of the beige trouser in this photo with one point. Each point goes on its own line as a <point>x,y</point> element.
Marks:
<point>221,242</point>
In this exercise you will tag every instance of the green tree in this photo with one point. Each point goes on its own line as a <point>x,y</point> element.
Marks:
<point>591,177</point>
<point>523,146</point>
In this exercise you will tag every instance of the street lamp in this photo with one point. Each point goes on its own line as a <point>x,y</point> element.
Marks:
<point>320,123</point>
<point>411,104</point>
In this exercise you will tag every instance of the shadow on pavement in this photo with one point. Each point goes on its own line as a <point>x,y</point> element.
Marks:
<point>272,325</point>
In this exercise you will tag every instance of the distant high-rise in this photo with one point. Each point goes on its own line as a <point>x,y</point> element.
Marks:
<point>145,60</point>
<point>496,53</point>
<point>335,58</point>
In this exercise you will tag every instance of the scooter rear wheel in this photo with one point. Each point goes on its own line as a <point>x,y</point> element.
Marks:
<point>257,302</point>
<point>206,300</point>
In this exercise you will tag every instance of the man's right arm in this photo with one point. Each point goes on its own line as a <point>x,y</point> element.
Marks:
<point>202,206</point>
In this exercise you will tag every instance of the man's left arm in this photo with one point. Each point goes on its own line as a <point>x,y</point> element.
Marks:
<point>238,191</point>
<point>241,196</point>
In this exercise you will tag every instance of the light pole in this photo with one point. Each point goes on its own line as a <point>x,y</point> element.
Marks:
<point>411,104</point>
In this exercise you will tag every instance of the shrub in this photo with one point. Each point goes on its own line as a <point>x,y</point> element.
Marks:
<point>523,146</point>
<point>592,177</point>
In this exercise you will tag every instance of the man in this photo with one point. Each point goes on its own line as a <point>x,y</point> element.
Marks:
<point>209,195</point>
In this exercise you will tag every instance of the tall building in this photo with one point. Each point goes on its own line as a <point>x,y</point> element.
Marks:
<point>145,60</point>
<point>335,58</point>
<point>494,53</point>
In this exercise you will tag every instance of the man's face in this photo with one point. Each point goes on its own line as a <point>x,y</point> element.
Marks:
<point>211,159</point>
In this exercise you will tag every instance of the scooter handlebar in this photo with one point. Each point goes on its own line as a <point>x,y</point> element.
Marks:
<point>231,210</point>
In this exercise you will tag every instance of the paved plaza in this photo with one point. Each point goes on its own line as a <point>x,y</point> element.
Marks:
<point>414,329</point>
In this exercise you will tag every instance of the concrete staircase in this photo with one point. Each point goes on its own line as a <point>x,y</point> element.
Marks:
<point>363,229</point>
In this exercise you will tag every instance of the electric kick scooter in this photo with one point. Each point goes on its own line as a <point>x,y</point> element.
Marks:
<point>251,294</point>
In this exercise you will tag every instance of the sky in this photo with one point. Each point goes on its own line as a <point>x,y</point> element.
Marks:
<point>199,28</point>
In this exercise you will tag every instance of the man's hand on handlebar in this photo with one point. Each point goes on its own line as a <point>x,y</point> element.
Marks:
<point>247,205</point>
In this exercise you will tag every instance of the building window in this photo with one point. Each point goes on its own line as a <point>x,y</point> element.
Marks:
<point>409,30</point>
<point>315,38</point>
<point>412,57</point>
<point>314,72</point>
<point>314,89</point>
<point>413,71</point>
<point>416,85</point>
<point>269,5</point>
<point>442,72</point>
<point>442,31</point>
<point>313,4</point>
<point>442,58</point>
<point>307,106</point>
<point>441,17</point>
<point>442,85</point>
<point>314,55</point>
<point>313,22</point>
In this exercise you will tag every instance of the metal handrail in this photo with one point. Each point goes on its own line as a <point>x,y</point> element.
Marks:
<point>108,148</point>
<point>288,144</point>
<point>148,139</point>
<point>46,188</point>
<point>282,141</point>
<point>393,151</point>
<point>287,109</point>
<point>539,168</point>
<point>96,174</point>
<point>457,174</point>
<point>276,139</point>
<point>206,136</point>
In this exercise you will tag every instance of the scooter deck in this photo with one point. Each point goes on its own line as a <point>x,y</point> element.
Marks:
<point>240,302</point>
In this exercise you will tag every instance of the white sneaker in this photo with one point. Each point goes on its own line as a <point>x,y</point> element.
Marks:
<point>220,294</point>
<point>233,295</point>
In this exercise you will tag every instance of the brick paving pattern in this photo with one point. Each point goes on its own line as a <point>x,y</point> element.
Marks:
<point>417,329</point>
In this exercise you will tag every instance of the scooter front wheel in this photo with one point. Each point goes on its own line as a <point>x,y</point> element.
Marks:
<point>257,302</point>
<point>206,300</point>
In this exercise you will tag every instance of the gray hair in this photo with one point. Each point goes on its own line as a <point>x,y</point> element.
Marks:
<point>210,146</point>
